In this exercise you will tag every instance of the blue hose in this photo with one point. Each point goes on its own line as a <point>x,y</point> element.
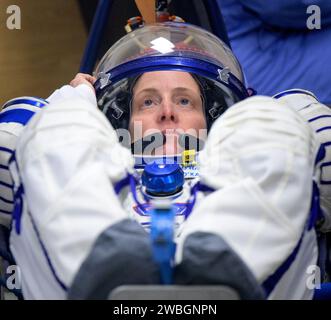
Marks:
<point>95,36</point>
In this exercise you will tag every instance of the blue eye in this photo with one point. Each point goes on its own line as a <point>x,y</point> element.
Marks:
<point>184,101</point>
<point>147,102</point>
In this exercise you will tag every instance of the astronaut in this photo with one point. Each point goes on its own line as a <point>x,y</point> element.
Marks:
<point>169,117</point>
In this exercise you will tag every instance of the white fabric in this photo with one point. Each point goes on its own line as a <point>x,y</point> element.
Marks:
<point>260,158</point>
<point>8,138</point>
<point>10,131</point>
<point>319,117</point>
<point>296,282</point>
<point>67,92</point>
<point>68,158</point>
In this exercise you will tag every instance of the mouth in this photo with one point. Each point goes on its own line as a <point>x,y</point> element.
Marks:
<point>170,132</point>
<point>171,145</point>
<point>148,144</point>
<point>166,142</point>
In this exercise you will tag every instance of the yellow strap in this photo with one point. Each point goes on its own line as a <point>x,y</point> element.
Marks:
<point>147,10</point>
<point>189,158</point>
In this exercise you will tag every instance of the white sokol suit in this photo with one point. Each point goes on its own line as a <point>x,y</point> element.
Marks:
<point>260,158</point>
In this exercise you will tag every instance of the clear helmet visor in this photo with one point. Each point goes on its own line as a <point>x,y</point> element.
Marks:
<point>167,47</point>
<point>175,39</point>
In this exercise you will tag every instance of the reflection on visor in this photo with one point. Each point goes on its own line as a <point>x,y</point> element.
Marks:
<point>176,38</point>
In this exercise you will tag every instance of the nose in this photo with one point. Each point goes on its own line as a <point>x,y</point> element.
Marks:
<point>167,112</point>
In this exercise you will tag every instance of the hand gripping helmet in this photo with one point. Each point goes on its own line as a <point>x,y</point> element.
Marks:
<point>168,46</point>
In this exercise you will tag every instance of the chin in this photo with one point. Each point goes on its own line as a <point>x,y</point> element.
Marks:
<point>168,150</point>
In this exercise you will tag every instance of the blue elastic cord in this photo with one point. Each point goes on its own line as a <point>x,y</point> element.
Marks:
<point>18,208</point>
<point>162,239</point>
<point>118,187</point>
<point>166,271</point>
<point>199,186</point>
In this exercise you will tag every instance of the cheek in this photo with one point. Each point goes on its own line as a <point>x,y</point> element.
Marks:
<point>195,120</point>
<point>139,124</point>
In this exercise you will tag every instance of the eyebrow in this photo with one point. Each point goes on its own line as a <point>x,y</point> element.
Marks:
<point>147,90</point>
<point>153,90</point>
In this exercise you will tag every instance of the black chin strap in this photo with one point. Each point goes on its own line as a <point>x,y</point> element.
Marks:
<point>158,139</point>
<point>155,139</point>
<point>189,142</point>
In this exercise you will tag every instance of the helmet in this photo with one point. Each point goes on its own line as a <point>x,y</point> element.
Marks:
<point>168,46</point>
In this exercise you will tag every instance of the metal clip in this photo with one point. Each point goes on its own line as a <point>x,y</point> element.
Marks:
<point>104,79</point>
<point>224,75</point>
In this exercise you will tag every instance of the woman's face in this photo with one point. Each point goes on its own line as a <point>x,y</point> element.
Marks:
<point>169,102</point>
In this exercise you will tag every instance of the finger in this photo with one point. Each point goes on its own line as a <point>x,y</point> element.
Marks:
<point>86,76</point>
<point>90,78</point>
